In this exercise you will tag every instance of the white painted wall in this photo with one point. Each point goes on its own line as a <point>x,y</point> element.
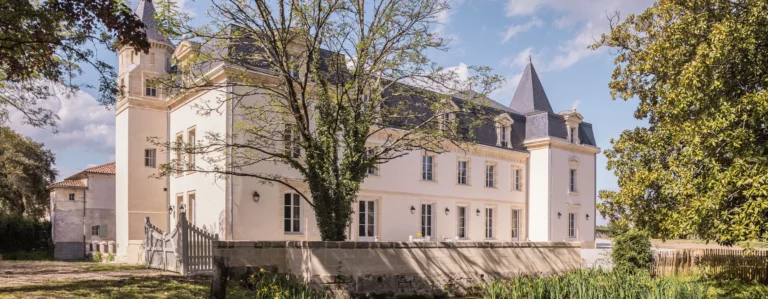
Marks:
<point>538,202</point>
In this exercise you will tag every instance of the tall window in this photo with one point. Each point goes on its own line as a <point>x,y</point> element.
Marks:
<point>427,220</point>
<point>573,135</point>
<point>571,225</point>
<point>151,58</point>
<point>427,168</point>
<point>150,89</point>
<point>133,54</point>
<point>373,169</point>
<point>150,157</point>
<point>179,162</point>
<point>490,176</point>
<point>503,136</point>
<point>367,220</point>
<point>292,216</point>
<point>191,209</point>
<point>191,143</point>
<point>462,221</point>
<point>572,181</point>
<point>517,179</point>
<point>95,230</point>
<point>462,173</point>
<point>515,224</point>
<point>489,223</point>
<point>291,140</point>
<point>71,196</point>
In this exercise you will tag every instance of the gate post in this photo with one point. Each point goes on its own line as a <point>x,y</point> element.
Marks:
<point>184,243</point>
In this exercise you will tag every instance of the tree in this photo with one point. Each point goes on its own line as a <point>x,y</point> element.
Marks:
<point>321,86</point>
<point>26,170</point>
<point>43,44</point>
<point>699,69</point>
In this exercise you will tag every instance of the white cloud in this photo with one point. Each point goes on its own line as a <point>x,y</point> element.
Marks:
<point>520,60</point>
<point>575,104</point>
<point>591,15</point>
<point>513,30</point>
<point>504,94</point>
<point>83,124</point>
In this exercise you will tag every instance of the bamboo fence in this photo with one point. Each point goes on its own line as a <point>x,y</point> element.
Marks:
<point>718,263</point>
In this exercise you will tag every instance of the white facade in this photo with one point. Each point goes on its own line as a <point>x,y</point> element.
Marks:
<point>542,206</point>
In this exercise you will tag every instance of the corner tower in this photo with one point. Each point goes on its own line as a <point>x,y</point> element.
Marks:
<point>141,114</point>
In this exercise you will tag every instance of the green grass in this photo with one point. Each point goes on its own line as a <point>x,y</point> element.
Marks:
<point>132,287</point>
<point>265,285</point>
<point>112,267</point>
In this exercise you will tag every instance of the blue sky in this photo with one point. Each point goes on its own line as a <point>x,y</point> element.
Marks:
<point>500,34</point>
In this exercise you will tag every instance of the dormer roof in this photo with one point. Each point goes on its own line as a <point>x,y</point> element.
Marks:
<point>529,95</point>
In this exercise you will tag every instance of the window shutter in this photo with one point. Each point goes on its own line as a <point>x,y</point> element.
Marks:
<point>102,230</point>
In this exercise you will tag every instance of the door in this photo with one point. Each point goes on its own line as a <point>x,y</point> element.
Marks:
<point>367,220</point>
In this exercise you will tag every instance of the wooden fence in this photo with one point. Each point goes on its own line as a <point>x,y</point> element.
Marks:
<point>187,249</point>
<point>720,263</point>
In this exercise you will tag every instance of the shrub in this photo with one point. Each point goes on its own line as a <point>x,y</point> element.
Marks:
<point>96,257</point>
<point>110,257</point>
<point>632,251</point>
<point>18,233</point>
<point>266,285</point>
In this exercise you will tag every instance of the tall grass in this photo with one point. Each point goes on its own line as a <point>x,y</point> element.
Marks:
<point>266,285</point>
<point>593,284</point>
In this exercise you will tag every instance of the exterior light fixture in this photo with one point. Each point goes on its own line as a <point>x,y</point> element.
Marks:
<point>558,215</point>
<point>256,196</point>
<point>477,212</point>
<point>183,208</point>
<point>413,210</point>
<point>446,211</point>
<point>587,216</point>
<point>170,210</point>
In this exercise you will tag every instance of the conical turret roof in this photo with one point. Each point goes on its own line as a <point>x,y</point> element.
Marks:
<point>146,13</point>
<point>529,95</point>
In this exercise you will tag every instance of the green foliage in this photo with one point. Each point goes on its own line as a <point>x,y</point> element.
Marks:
<point>44,43</point>
<point>110,257</point>
<point>266,285</point>
<point>699,70</point>
<point>632,251</point>
<point>589,283</point>
<point>26,170</point>
<point>22,234</point>
<point>96,257</point>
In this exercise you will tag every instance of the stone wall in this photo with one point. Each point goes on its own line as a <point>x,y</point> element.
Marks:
<point>69,251</point>
<point>400,268</point>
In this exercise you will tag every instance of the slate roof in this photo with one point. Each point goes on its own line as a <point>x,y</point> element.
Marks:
<point>68,184</point>
<point>146,13</point>
<point>529,95</point>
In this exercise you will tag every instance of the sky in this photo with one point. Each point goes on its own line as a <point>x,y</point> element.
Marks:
<point>501,34</point>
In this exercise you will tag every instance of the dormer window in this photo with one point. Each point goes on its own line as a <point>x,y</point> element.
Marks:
<point>572,121</point>
<point>573,135</point>
<point>150,90</point>
<point>504,130</point>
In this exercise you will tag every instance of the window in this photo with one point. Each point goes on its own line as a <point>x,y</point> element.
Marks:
<point>71,196</point>
<point>151,58</point>
<point>367,221</point>
<point>571,225</point>
<point>292,216</point>
<point>178,162</point>
<point>373,169</point>
<point>191,209</point>
<point>462,221</point>
<point>573,135</point>
<point>516,182</point>
<point>95,230</point>
<point>179,205</point>
<point>99,230</point>
<point>572,181</point>
<point>490,176</point>
<point>489,223</point>
<point>150,89</point>
<point>150,157</point>
<point>191,143</point>
<point>427,220</point>
<point>503,136</point>
<point>515,224</point>
<point>427,168</point>
<point>291,140</point>
<point>462,173</point>
<point>133,54</point>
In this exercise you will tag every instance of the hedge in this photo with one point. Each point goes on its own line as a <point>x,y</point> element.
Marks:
<point>18,233</point>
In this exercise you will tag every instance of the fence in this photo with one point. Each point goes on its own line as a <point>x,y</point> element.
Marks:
<point>187,249</point>
<point>721,263</point>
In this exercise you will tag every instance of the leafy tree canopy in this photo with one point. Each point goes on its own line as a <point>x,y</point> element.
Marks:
<point>44,42</point>
<point>26,170</point>
<point>699,69</point>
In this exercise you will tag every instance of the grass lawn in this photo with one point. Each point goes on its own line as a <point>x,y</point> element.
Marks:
<point>131,287</point>
<point>735,289</point>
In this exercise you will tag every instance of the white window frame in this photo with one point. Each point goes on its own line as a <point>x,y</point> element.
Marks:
<point>191,144</point>
<point>191,206</point>
<point>515,224</point>
<point>571,225</point>
<point>291,141</point>
<point>151,58</point>
<point>427,224</point>
<point>572,183</point>
<point>364,213</point>
<point>516,179</point>
<point>149,90</point>
<point>462,222</point>
<point>150,157</point>
<point>573,135</point>
<point>490,223</point>
<point>462,177</point>
<point>294,226</point>
<point>179,155</point>
<point>71,196</point>
<point>373,170</point>
<point>503,134</point>
<point>427,168</point>
<point>490,175</point>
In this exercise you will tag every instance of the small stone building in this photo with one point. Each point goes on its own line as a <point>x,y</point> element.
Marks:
<point>83,212</point>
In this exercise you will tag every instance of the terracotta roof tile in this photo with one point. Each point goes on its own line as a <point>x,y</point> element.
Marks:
<point>108,168</point>
<point>68,184</point>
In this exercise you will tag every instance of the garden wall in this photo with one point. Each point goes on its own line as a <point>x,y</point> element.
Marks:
<point>399,268</point>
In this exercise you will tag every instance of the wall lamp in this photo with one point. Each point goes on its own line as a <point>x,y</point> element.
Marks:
<point>446,211</point>
<point>477,212</point>
<point>256,196</point>
<point>587,216</point>
<point>170,210</point>
<point>558,215</point>
<point>183,208</point>
<point>413,210</point>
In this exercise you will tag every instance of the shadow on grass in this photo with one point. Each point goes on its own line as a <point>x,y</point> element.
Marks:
<point>131,287</point>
